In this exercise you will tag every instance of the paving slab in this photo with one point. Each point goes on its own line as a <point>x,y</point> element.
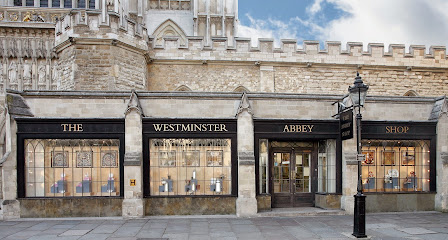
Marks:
<point>416,231</point>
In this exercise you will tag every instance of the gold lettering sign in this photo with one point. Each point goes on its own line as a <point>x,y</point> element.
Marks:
<point>190,127</point>
<point>132,182</point>
<point>397,129</point>
<point>298,128</point>
<point>69,127</point>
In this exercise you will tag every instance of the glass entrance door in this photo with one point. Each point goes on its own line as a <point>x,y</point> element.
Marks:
<point>293,176</point>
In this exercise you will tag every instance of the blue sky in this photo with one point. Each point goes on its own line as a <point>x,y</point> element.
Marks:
<point>409,22</point>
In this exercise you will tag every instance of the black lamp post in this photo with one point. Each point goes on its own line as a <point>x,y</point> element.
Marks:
<point>358,94</point>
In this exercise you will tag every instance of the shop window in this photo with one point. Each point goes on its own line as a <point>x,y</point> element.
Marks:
<point>190,167</point>
<point>263,166</point>
<point>396,165</point>
<point>72,167</point>
<point>327,166</point>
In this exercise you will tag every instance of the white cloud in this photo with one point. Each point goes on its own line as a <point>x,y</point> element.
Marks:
<point>269,28</point>
<point>399,21</point>
<point>419,22</point>
<point>315,7</point>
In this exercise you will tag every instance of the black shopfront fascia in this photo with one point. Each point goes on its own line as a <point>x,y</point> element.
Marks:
<point>298,130</point>
<point>397,130</point>
<point>189,128</point>
<point>41,128</point>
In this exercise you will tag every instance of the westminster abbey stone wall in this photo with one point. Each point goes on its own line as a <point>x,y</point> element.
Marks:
<point>391,72</point>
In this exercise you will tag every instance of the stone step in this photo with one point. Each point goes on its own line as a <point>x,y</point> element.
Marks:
<point>300,211</point>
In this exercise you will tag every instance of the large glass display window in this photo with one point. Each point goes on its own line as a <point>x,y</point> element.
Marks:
<point>188,166</point>
<point>396,165</point>
<point>326,166</point>
<point>72,167</point>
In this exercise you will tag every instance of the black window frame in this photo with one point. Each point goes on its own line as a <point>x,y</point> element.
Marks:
<point>148,134</point>
<point>421,130</point>
<point>32,128</point>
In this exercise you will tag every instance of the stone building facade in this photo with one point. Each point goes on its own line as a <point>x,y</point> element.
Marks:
<point>137,108</point>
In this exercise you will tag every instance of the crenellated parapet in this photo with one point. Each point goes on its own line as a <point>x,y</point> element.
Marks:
<point>95,27</point>
<point>309,54</point>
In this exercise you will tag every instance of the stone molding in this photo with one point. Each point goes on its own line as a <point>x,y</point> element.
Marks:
<point>244,105</point>
<point>134,104</point>
<point>440,107</point>
<point>17,106</point>
<point>246,158</point>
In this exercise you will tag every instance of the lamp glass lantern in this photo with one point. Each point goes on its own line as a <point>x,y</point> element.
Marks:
<point>358,92</point>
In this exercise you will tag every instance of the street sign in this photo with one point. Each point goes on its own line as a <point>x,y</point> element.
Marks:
<point>346,124</point>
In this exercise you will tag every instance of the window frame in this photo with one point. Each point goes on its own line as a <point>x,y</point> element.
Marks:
<point>46,129</point>
<point>148,135</point>
<point>421,130</point>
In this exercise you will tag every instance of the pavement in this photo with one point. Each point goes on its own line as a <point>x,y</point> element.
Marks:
<point>303,225</point>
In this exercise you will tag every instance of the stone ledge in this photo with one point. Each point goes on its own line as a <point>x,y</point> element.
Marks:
<point>132,159</point>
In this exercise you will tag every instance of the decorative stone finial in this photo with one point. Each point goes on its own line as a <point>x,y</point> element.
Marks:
<point>244,105</point>
<point>134,103</point>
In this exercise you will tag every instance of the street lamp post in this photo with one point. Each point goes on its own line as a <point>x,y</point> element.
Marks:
<point>358,94</point>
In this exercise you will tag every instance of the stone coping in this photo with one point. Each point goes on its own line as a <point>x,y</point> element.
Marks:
<point>215,95</point>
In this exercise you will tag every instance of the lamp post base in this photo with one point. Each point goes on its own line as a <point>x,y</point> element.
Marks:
<point>359,223</point>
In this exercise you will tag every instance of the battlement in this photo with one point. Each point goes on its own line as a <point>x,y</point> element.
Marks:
<point>96,26</point>
<point>376,54</point>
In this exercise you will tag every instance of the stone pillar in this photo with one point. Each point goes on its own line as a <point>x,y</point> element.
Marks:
<point>15,107</point>
<point>267,76</point>
<point>246,203</point>
<point>133,203</point>
<point>10,205</point>
<point>441,199</point>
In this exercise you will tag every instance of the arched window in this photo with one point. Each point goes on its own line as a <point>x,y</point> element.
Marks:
<point>81,3</point>
<point>43,3</point>
<point>56,3</point>
<point>183,88</point>
<point>68,3</point>
<point>411,93</point>
<point>241,89</point>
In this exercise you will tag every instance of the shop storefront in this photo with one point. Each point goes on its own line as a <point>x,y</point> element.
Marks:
<point>399,172</point>
<point>298,163</point>
<point>69,167</point>
<point>189,166</point>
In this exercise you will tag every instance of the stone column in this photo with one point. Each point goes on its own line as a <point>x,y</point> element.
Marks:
<point>246,203</point>
<point>440,113</point>
<point>10,205</point>
<point>16,107</point>
<point>133,203</point>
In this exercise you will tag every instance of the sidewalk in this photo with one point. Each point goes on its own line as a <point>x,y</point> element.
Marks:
<point>420,225</point>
